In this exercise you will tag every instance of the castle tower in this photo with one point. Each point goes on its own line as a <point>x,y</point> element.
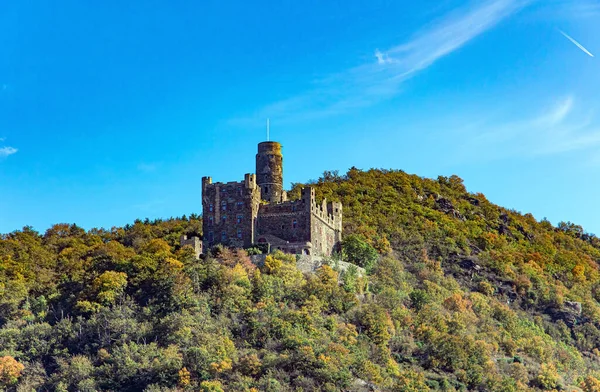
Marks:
<point>269,172</point>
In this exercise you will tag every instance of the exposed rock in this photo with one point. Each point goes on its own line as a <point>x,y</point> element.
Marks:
<point>574,307</point>
<point>470,264</point>
<point>509,293</point>
<point>526,234</point>
<point>447,207</point>
<point>474,201</point>
<point>569,312</point>
<point>504,230</point>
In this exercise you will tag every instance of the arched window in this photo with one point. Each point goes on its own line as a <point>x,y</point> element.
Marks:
<point>239,234</point>
<point>224,205</point>
<point>224,236</point>
<point>294,223</point>
<point>224,219</point>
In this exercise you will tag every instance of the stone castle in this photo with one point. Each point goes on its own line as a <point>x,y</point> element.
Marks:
<point>256,212</point>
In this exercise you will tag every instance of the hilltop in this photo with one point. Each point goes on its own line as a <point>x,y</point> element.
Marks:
<point>460,294</point>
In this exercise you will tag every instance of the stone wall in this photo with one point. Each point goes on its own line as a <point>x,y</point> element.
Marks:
<point>322,236</point>
<point>309,263</point>
<point>193,242</point>
<point>326,224</point>
<point>229,212</point>
<point>289,221</point>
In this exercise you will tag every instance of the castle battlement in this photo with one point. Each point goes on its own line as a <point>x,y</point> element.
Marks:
<point>256,211</point>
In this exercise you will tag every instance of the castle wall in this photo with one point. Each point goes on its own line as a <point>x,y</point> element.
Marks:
<point>325,227</point>
<point>229,212</point>
<point>322,234</point>
<point>289,221</point>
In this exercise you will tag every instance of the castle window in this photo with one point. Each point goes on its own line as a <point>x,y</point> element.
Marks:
<point>210,220</point>
<point>267,189</point>
<point>224,206</point>
<point>239,234</point>
<point>210,236</point>
<point>239,190</point>
<point>294,223</point>
<point>240,218</point>
<point>224,236</point>
<point>240,205</point>
<point>210,207</point>
<point>224,219</point>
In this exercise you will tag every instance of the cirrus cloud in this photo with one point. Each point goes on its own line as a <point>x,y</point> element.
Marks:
<point>6,151</point>
<point>373,82</point>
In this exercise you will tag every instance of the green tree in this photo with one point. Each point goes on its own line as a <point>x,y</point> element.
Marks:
<point>358,251</point>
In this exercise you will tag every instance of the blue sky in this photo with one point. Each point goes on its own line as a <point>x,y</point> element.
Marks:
<point>114,111</point>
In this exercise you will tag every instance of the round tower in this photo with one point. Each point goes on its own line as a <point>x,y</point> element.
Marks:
<point>269,171</point>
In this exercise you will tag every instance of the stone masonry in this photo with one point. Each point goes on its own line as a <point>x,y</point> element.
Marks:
<point>256,211</point>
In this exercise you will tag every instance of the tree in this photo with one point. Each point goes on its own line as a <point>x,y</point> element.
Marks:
<point>357,251</point>
<point>109,285</point>
<point>10,370</point>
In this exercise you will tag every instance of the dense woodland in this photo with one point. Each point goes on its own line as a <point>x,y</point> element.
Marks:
<point>460,294</point>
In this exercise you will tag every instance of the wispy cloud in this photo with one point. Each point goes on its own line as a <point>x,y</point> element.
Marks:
<point>6,151</point>
<point>382,78</point>
<point>560,129</point>
<point>576,43</point>
<point>382,58</point>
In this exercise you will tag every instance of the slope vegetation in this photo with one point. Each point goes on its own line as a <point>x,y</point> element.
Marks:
<point>461,295</point>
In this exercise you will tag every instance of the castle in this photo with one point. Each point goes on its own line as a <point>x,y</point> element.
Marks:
<point>256,211</point>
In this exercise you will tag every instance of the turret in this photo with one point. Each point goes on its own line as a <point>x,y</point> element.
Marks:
<point>269,171</point>
<point>335,209</point>
<point>250,181</point>
<point>308,195</point>
<point>206,181</point>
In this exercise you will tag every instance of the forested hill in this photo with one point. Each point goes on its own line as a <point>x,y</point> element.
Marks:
<point>460,295</point>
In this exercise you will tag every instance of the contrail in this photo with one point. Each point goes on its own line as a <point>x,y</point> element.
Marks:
<point>576,43</point>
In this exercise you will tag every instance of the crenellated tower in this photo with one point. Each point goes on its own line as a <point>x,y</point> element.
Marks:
<point>269,172</point>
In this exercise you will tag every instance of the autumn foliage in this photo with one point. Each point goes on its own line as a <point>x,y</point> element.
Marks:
<point>459,294</point>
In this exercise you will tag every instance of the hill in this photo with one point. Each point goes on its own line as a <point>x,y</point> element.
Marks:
<point>461,294</point>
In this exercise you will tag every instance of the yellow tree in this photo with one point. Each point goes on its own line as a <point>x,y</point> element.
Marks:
<point>10,370</point>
